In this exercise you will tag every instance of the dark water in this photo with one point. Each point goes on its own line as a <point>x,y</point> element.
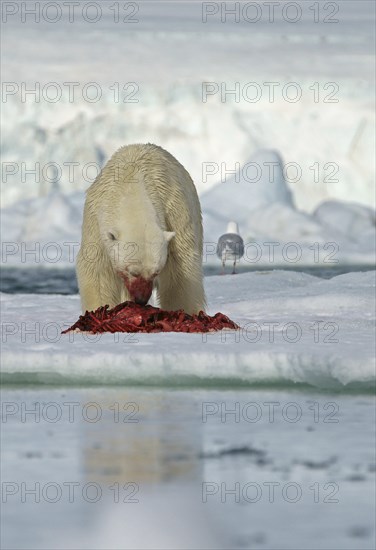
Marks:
<point>40,280</point>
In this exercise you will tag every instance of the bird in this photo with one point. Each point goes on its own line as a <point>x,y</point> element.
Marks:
<point>230,246</point>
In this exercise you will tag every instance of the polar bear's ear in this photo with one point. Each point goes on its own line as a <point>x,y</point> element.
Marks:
<point>169,235</point>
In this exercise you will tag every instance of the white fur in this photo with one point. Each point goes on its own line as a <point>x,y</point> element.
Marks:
<point>142,217</point>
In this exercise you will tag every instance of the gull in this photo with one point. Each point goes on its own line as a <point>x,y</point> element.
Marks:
<point>230,246</point>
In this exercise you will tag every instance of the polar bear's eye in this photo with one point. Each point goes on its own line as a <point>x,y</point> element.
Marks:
<point>111,236</point>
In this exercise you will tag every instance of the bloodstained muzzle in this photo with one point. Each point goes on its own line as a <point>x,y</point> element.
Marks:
<point>139,289</point>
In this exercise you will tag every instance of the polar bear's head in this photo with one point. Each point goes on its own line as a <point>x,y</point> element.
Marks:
<point>138,253</point>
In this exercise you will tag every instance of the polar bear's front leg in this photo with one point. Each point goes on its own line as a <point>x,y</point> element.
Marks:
<point>98,285</point>
<point>179,291</point>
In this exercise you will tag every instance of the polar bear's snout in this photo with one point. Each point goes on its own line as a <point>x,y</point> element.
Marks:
<point>140,289</point>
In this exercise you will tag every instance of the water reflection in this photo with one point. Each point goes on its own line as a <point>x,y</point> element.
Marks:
<point>146,441</point>
<point>145,454</point>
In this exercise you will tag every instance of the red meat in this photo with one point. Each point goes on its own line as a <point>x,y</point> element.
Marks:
<point>132,317</point>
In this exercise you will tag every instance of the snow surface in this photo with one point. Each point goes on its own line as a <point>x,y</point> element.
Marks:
<point>323,336</point>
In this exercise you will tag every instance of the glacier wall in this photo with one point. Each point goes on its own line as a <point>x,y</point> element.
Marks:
<point>325,147</point>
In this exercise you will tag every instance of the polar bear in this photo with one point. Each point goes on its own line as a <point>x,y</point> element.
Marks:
<point>142,229</point>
